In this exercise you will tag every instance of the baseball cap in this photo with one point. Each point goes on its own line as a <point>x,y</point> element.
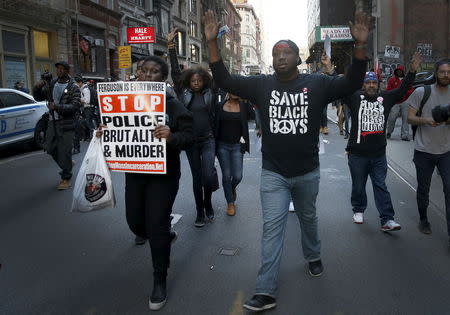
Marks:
<point>64,64</point>
<point>370,76</point>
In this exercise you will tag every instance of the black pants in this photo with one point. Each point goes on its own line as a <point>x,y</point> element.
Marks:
<point>59,145</point>
<point>201,158</point>
<point>77,134</point>
<point>149,200</point>
<point>425,164</point>
<point>324,119</point>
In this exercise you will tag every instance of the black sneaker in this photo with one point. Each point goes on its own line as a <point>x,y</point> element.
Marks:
<point>159,295</point>
<point>209,213</point>
<point>315,268</point>
<point>260,302</point>
<point>425,227</point>
<point>200,221</point>
<point>140,240</point>
<point>388,136</point>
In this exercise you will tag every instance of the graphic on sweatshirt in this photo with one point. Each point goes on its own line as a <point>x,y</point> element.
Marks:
<point>370,118</point>
<point>288,112</point>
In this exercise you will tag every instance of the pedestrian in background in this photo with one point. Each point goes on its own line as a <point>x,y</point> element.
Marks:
<point>401,108</point>
<point>232,141</point>
<point>20,86</point>
<point>64,102</point>
<point>367,145</point>
<point>195,92</point>
<point>291,106</point>
<point>432,141</point>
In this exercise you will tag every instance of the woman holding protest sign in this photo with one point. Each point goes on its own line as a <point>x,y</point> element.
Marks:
<point>232,141</point>
<point>193,87</point>
<point>149,197</point>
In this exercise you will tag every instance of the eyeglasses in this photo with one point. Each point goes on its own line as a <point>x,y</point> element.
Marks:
<point>442,73</point>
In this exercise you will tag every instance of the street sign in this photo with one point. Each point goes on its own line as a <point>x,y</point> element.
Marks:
<point>141,35</point>
<point>124,57</point>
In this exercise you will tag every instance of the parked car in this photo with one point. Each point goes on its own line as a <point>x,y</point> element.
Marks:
<point>21,118</point>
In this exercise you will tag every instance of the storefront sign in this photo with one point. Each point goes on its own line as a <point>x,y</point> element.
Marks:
<point>336,33</point>
<point>140,35</point>
<point>124,57</point>
<point>131,111</point>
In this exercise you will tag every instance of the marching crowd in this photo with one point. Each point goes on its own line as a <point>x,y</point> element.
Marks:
<point>208,117</point>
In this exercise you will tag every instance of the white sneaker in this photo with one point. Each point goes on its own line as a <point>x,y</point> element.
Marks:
<point>390,225</point>
<point>291,207</point>
<point>358,218</point>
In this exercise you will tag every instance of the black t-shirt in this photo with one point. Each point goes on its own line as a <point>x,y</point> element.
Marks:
<point>369,119</point>
<point>290,112</point>
<point>202,126</point>
<point>230,127</point>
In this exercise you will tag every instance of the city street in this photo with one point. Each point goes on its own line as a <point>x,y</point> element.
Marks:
<point>57,262</point>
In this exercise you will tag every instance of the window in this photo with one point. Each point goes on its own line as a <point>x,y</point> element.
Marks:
<point>247,29</point>
<point>110,4</point>
<point>195,53</point>
<point>247,53</point>
<point>13,42</point>
<point>247,17</point>
<point>138,2</point>
<point>9,99</point>
<point>192,28</point>
<point>164,22</point>
<point>193,6</point>
<point>41,47</point>
<point>181,42</point>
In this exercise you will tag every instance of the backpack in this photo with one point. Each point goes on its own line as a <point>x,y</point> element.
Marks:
<point>426,96</point>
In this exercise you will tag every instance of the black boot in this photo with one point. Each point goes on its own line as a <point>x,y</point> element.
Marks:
<point>159,294</point>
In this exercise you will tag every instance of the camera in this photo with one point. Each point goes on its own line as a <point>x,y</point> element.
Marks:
<point>47,76</point>
<point>441,113</point>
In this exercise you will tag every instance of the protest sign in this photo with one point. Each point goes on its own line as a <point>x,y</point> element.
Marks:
<point>131,111</point>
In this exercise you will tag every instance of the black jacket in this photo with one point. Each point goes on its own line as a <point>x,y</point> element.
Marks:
<point>246,112</point>
<point>179,120</point>
<point>69,103</point>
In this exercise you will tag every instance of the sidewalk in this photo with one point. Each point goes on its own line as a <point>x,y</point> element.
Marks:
<point>399,155</point>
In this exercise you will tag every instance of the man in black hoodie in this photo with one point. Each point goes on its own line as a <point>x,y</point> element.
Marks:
<point>367,144</point>
<point>290,106</point>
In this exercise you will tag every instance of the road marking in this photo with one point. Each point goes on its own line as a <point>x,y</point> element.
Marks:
<point>237,309</point>
<point>20,157</point>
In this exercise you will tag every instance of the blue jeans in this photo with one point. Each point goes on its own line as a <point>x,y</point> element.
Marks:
<point>231,163</point>
<point>360,168</point>
<point>276,194</point>
<point>425,165</point>
<point>201,158</point>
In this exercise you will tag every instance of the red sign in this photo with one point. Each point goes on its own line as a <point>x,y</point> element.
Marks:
<point>141,35</point>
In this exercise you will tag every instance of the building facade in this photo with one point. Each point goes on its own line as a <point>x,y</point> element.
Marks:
<point>93,35</point>
<point>250,38</point>
<point>32,38</point>
<point>404,27</point>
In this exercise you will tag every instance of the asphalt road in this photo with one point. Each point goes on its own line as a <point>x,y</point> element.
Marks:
<point>57,262</point>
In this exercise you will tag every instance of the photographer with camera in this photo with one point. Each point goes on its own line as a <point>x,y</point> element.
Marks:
<point>63,101</point>
<point>432,139</point>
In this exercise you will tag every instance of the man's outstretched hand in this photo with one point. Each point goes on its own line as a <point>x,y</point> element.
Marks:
<point>211,27</point>
<point>361,27</point>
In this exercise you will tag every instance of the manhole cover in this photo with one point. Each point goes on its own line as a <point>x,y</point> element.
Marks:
<point>228,251</point>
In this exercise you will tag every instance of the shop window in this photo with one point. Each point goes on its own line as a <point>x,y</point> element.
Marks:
<point>41,44</point>
<point>15,70</point>
<point>13,42</point>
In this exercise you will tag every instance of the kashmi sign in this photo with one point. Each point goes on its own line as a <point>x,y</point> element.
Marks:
<point>140,35</point>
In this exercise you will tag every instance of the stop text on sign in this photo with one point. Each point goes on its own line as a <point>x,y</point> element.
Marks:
<point>127,103</point>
